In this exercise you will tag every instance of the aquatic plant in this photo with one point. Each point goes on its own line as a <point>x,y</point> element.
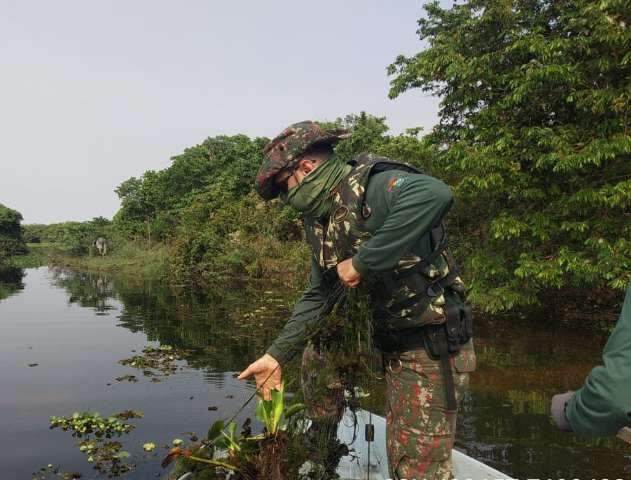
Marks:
<point>87,423</point>
<point>162,358</point>
<point>50,470</point>
<point>224,438</point>
<point>272,413</point>
<point>247,456</point>
<point>105,455</point>
<point>149,446</point>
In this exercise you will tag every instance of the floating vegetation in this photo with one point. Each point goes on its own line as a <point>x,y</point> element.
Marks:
<point>155,361</point>
<point>107,456</point>
<point>128,378</point>
<point>276,453</point>
<point>51,470</point>
<point>127,414</point>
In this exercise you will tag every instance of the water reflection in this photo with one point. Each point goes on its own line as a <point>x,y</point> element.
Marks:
<point>93,290</point>
<point>221,326</point>
<point>10,281</point>
<point>505,417</point>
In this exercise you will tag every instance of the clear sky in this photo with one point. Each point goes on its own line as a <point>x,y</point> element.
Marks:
<point>94,92</point>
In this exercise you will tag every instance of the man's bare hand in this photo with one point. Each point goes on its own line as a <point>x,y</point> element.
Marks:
<point>264,367</point>
<point>347,273</point>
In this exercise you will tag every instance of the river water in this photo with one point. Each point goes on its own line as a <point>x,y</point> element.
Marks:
<point>62,334</point>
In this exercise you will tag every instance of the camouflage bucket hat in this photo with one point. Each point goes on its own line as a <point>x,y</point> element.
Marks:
<point>284,150</point>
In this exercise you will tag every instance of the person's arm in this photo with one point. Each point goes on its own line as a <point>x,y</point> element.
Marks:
<point>267,370</point>
<point>603,405</point>
<point>411,205</point>
<point>293,337</point>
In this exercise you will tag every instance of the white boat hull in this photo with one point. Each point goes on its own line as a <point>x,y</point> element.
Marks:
<point>358,466</point>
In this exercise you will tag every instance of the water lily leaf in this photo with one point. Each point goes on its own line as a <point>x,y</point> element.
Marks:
<point>149,446</point>
<point>215,430</point>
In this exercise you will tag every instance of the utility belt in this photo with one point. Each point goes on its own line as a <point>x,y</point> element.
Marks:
<point>440,341</point>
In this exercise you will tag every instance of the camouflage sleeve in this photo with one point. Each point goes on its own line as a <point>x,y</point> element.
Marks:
<point>404,208</point>
<point>603,405</point>
<point>293,337</point>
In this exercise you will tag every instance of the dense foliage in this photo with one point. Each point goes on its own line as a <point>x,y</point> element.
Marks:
<point>205,208</point>
<point>10,280</point>
<point>534,136</point>
<point>72,238</point>
<point>11,242</point>
<point>150,205</point>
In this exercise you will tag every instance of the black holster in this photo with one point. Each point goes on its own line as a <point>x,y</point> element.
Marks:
<point>451,335</point>
<point>445,340</point>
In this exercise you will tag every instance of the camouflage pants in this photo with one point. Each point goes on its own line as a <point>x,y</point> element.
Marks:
<point>420,430</point>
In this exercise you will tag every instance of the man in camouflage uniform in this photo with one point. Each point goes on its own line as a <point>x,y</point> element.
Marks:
<point>377,224</point>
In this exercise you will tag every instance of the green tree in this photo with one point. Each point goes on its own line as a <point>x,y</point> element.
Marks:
<point>153,202</point>
<point>368,133</point>
<point>135,209</point>
<point>74,238</point>
<point>534,135</point>
<point>33,232</point>
<point>11,242</point>
<point>10,280</point>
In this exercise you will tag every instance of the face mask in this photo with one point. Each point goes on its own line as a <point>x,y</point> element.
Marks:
<point>312,196</point>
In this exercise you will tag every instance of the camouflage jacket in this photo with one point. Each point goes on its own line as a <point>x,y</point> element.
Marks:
<point>382,217</point>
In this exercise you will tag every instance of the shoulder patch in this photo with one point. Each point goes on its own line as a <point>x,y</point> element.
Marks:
<point>394,182</point>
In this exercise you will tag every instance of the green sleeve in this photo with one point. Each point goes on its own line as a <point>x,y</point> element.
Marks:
<point>404,208</point>
<point>603,405</point>
<point>293,337</point>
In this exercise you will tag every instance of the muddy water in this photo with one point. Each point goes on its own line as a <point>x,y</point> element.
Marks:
<point>72,328</point>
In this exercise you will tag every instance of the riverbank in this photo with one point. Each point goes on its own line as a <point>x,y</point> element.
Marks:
<point>36,256</point>
<point>148,262</point>
<point>258,258</point>
<point>284,263</point>
<point>131,259</point>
